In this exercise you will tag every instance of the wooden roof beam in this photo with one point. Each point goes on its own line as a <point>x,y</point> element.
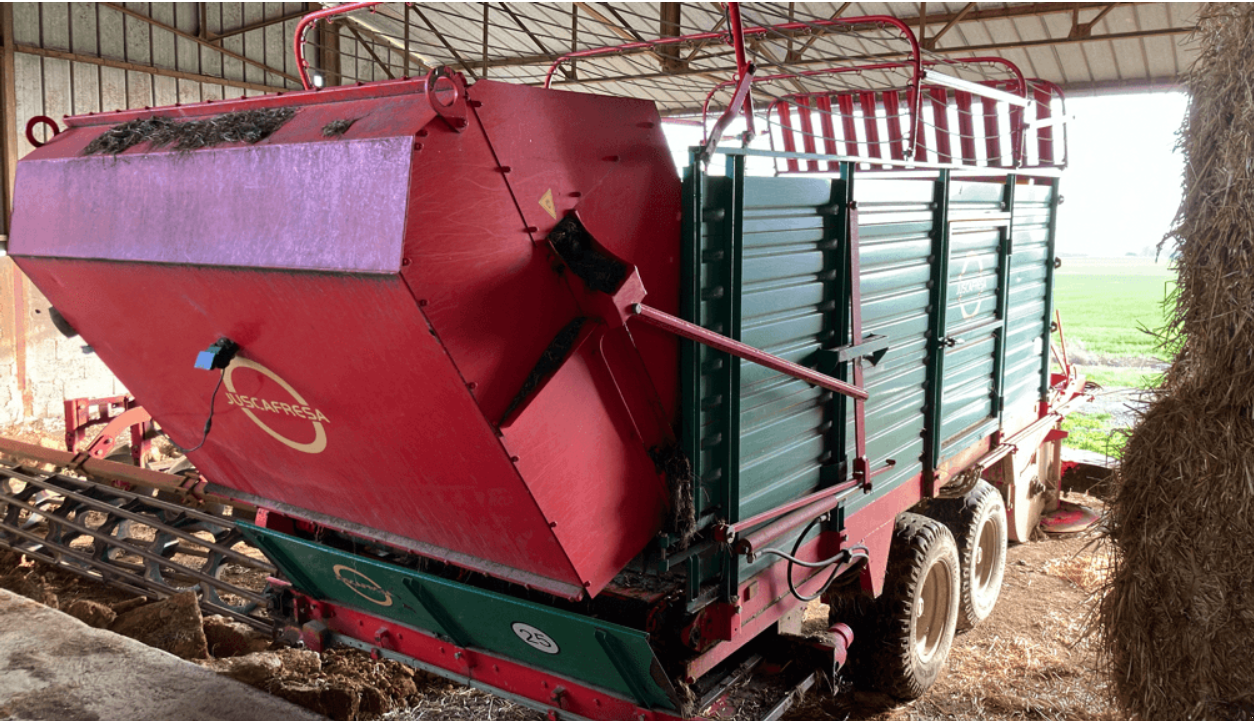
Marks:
<point>930,43</point>
<point>199,41</point>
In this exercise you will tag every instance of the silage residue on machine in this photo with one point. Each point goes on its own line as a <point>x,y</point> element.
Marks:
<point>248,126</point>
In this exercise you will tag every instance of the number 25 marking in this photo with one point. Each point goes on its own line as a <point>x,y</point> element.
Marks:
<point>535,638</point>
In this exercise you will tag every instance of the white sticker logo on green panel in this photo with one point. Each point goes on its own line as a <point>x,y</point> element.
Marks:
<point>535,638</point>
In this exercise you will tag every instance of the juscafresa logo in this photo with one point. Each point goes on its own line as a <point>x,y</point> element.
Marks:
<point>362,585</point>
<point>293,405</point>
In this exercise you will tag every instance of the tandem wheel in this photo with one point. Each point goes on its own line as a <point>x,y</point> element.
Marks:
<point>978,523</point>
<point>902,638</point>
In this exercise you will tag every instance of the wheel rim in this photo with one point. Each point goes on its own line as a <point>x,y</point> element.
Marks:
<point>932,610</point>
<point>986,552</point>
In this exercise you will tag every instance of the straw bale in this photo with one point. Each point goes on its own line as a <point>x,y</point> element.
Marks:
<point>1177,617</point>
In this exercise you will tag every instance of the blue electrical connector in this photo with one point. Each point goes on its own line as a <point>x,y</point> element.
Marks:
<point>218,355</point>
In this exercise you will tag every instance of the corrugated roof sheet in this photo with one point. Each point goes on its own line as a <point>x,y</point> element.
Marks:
<point>1082,47</point>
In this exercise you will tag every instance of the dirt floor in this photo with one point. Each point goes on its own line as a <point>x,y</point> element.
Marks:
<point>1029,660</point>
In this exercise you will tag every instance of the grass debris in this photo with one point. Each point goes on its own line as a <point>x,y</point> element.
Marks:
<point>1177,618</point>
<point>245,126</point>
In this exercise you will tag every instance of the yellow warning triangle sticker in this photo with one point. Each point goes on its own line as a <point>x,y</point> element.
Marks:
<point>546,202</point>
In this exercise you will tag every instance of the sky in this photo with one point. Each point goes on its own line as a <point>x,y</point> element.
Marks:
<point>1122,186</point>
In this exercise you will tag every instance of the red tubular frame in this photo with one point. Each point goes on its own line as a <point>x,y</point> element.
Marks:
<point>298,41</point>
<point>684,329</point>
<point>902,148</point>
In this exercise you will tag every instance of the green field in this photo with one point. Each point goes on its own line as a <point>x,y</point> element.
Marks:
<point>1105,302</point>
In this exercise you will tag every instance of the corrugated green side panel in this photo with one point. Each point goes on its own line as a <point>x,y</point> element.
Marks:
<point>708,303</point>
<point>786,308</point>
<point>767,255</point>
<point>613,657</point>
<point>1027,322</point>
<point>896,220</point>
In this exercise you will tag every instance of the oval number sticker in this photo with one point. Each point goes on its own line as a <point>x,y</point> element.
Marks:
<point>535,638</point>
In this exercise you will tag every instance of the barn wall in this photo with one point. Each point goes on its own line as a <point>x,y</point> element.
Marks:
<point>39,368</point>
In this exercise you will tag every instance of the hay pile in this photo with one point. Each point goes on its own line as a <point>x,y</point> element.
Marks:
<point>1177,621</point>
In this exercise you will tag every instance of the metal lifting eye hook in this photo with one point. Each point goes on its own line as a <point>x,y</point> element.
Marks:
<point>38,120</point>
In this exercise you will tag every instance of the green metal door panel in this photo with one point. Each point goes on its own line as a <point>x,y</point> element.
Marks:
<point>896,221</point>
<point>613,657</point>
<point>1030,275</point>
<point>969,351</point>
<point>974,198</point>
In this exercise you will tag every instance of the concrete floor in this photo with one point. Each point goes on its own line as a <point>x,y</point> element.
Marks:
<point>55,668</point>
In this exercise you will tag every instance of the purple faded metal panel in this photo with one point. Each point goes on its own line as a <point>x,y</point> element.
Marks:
<point>305,206</point>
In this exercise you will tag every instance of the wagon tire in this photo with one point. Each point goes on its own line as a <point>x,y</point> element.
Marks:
<point>978,523</point>
<point>902,639</point>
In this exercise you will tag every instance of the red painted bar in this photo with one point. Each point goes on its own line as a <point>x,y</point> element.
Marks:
<point>790,142</point>
<point>870,121</point>
<point>684,329</point>
<point>992,132</point>
<point>892,113</point>
<point>966,127</point>
<point>824,104</point>
<point>807,130</point>
<point>940,117</point>
<point>845,103</point>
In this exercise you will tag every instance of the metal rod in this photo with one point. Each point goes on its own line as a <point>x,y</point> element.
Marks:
<point>106,507</point>
<point>141,552</point>
<point>109,471</point>
<point>778,511</point>
<point>692,332</point>
<point>768,534</point>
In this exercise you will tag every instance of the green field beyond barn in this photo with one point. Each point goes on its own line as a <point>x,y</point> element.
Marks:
<point>1106,305</point>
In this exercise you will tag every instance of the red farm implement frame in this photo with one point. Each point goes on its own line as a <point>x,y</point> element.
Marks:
<point>648,367</point>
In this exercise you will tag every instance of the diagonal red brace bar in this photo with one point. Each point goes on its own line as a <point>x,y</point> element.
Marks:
<point>684,329</point>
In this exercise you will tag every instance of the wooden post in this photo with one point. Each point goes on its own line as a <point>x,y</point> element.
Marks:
<point>329,53</point>
<point>13,343</point>
<point>8,114</point>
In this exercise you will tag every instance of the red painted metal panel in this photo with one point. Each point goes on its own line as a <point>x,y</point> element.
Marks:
<point>845,103</point>
<point>870,122</point>
<point>790,142</point>
<point>400,444</point>
<point>940,116</point>
<point>824,104</point>
<point>992,132</point>
<point>966,127</point>
<point>587,468</point>
<point>606,159</point>
<point>371,396</point>
<point>304,195</point>
<point>488,290</point>
<point>892,112</point>
<point>1045,136</point>
<point>806,115</point>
